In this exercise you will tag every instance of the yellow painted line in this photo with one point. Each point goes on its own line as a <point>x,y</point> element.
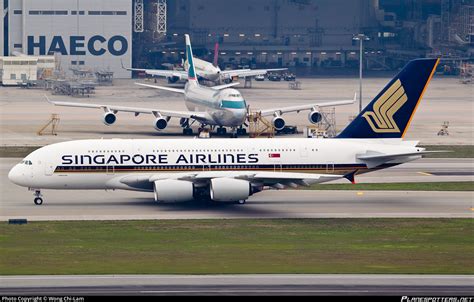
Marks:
<point>360,193</point>
<point>425,173</point>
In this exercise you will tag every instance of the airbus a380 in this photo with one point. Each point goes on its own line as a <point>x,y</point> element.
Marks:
<point>220,106</point>
<point>231,170</point>
<point>206,70</point>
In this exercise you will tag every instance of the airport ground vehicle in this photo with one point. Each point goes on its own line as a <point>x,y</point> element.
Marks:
<point>274,77</point>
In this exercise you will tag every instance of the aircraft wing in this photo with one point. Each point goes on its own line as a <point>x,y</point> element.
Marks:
<point>298,108</point>
<point>162,88</point>
<point>181,74</point>
<point>200,116</point>
<point>278,180</point>
<point>242,73</point>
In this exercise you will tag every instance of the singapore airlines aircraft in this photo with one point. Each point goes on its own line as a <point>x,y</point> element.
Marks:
<point>231,170</point>
<point>220,106</point>
<point>206,70</point>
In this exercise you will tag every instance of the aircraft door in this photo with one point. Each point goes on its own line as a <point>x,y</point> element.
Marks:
<point>304,152</point>
<point>48,169</point>
<point>110,170</point>
<point>277,167</point>
<point>329,167</point>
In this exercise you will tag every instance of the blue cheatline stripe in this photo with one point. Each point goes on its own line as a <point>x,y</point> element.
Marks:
<point>233,104</point>
<point>191,73</point>
<point>214,167</point>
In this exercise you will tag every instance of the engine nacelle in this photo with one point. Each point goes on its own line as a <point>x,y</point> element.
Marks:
<point>109,118</point>
<point>184,122</point>
<point>173,79</point>
<point>278,122</point>
<point>229,189</point>
<point>171,190</point>
<point>315,117</point>
<point>160,123</point>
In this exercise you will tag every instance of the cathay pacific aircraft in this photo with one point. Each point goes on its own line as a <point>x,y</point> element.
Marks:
<point>206,70</point>
<point>220,106</point>
<point>231,170</point>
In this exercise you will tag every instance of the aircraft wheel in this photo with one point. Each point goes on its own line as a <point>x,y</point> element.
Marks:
<point>243,201</point>
<point>221,131</point>
<point>38,201</point>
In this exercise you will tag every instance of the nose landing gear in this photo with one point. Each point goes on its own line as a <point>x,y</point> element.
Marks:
<point>38,198</point>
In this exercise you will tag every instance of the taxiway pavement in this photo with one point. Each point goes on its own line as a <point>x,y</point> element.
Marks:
<point>403,285</point>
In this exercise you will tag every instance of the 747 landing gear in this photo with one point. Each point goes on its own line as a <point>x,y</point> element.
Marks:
<point>221,131</point>
<point>38,198</point>
<point>241,131</point>
<point>187,131</point>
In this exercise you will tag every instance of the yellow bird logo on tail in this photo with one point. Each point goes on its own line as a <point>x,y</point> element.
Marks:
<point>381,118</point>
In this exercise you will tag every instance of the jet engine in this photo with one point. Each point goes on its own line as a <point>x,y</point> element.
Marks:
<point>173,79</point>
<point>171,190</point>
<point>229,189</point>
<point>109,118</point>
<point>278,122</point>
<point>160,123</point>
<point>315,117</point>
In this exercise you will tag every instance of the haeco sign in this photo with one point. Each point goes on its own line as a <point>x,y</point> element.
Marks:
<point>96,45</point>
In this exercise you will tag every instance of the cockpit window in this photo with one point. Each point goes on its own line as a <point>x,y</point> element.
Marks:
<point>233,104</point>
<point>235,95</point>
<point>26,162</point>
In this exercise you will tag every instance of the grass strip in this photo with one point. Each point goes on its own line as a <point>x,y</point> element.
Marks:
<point>385,246</point>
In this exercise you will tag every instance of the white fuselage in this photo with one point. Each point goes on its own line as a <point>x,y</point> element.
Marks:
<point>206,70</point>
<point>112,164</point>
<point>225,107</point>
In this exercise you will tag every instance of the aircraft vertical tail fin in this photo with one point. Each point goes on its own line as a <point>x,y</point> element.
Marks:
<point>391,111</point>
<point>216,54</point>
<point>192,76</point>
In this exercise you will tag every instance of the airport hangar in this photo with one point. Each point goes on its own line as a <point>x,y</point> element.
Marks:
<point>101,34</point>
<point>93,34</point>
<point>307,35</point>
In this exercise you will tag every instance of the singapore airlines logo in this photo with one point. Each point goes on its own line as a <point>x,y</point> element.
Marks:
<point>381,118</point>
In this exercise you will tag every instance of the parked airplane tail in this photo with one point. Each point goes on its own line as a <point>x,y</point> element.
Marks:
<point>192,77</point>
<point>391,111</point>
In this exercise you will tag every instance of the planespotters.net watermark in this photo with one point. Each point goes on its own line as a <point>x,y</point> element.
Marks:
<point>437,299</point>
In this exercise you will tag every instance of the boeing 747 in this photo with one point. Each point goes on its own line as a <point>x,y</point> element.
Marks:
<point>220,106</point>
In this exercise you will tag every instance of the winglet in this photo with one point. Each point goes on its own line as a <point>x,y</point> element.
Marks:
<point>351,176</point>
<point>47,99</point>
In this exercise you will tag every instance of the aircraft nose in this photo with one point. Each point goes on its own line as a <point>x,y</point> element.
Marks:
<point>15,175</point>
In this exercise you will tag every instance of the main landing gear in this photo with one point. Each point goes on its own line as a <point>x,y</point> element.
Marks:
<point>243,201</point>
<point>38,198</point>
<point>187,130</point>
<point>221,131</point>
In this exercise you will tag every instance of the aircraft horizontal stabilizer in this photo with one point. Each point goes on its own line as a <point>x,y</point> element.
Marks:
<point>374,159</point>
<point>220,87</point>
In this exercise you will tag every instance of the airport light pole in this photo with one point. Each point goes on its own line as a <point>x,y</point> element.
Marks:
<point>361,38</point>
